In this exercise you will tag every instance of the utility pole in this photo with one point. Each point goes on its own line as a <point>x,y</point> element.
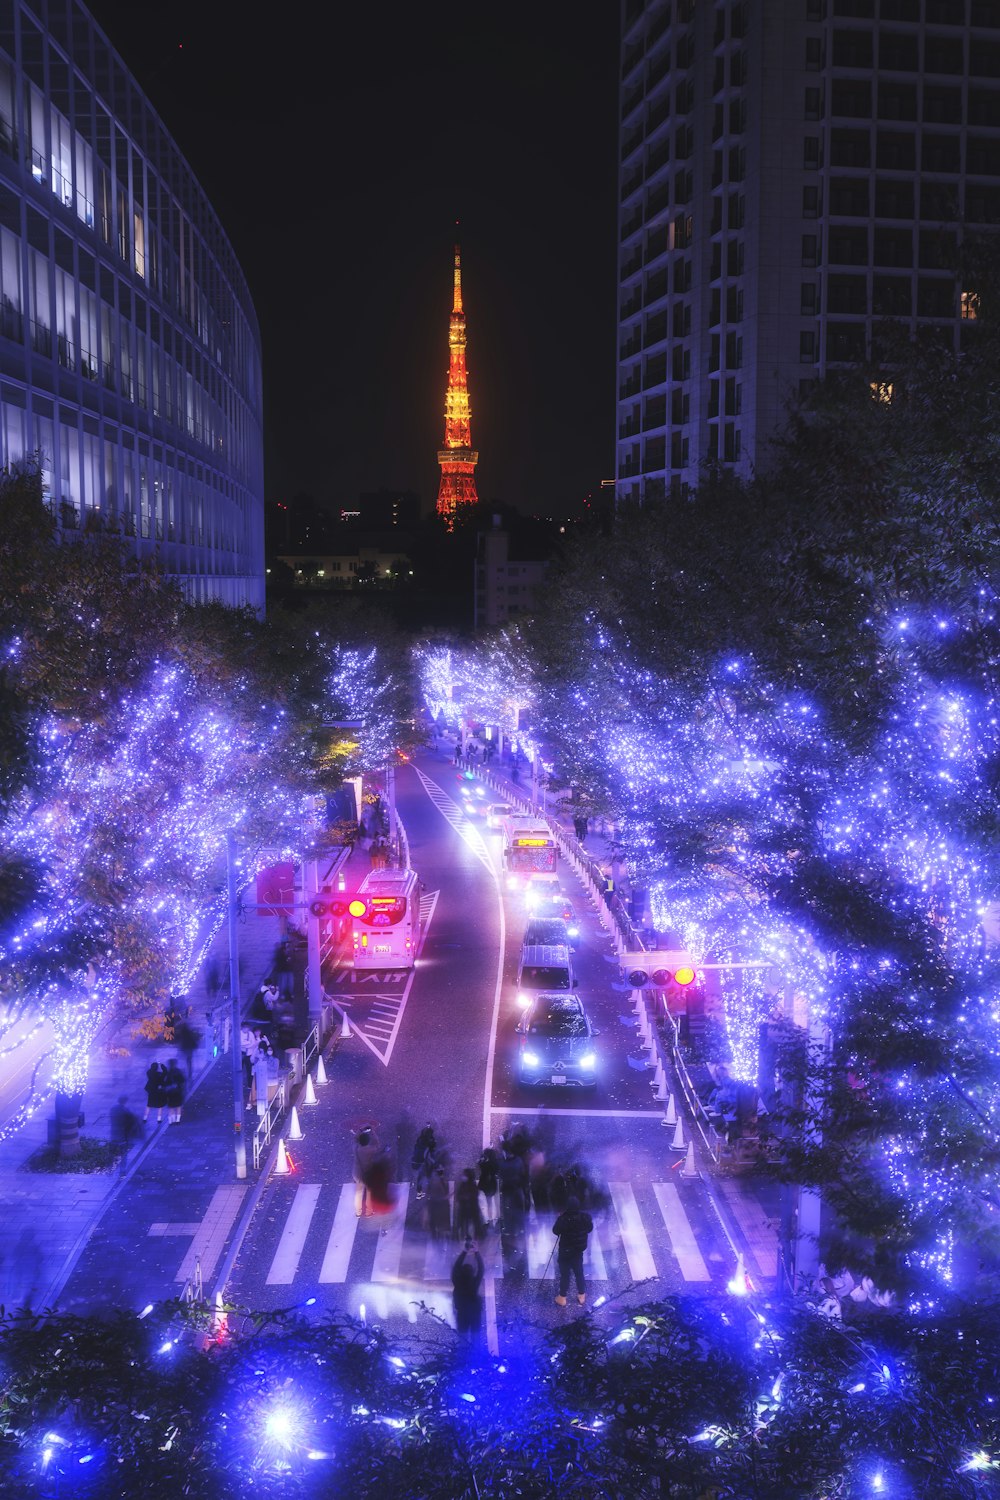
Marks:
<point>236,1018</point>
<point>390,795</point>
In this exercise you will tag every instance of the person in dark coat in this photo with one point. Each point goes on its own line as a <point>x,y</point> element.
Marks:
<point>573,1229</point>
<point>126,1127</point>
<point>468,1219</point>
<point>186,1038</point>
<point>489,1183</point>
<point>173,1088</point>
<point>422,1161</point>
<point>438,1204</point>
<point>155,1087</point>
<point>513,1192</point>
<point>366,1151</point>
<point>467,1281</point>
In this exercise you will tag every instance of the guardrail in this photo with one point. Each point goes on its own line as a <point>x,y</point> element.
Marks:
<point>266,1123</point>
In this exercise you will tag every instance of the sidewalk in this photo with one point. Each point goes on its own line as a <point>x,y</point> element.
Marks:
<point>50,1218</point>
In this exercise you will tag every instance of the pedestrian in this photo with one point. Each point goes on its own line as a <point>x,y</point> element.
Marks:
<point>381,1198</point>
<point>489,1183</point>
<point>213,981</point>
<point>171,1018</point>
<point>572,1229</point>
<point>366,1151</point>
<point>468,1219</point>
<point>513,1192</point>
<point>458,752</point>
<point>262,1075</point>
<point>423,1159</point>
<point>156,1075</point>
<point>467,1281</point>
<point>187,1038</point>
<point>438,1204</point>
<point>126,1128</point>
<point>174,1091</point>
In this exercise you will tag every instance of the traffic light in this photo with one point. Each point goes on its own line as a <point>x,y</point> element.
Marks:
<point>660,970</point>
<point>338,904</point>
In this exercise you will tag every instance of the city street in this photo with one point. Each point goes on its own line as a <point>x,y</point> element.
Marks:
<point>439,1046</point>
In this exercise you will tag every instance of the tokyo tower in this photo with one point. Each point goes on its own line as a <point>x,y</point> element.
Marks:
<point>457,458</point>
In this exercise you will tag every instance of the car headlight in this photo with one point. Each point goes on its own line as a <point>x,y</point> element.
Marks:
<point>523,1000</point>
<point>589,1061</point>
<point>530,1059</point>
<point>573,931</point>
<point>512,882</point>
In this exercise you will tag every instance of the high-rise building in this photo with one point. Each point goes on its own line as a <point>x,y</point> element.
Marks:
<point>796,176</point>
<point>129,349</point>
<point>457,458</point>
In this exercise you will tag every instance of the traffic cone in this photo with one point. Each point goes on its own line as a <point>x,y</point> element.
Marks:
<point>309,1097</point>
<point>670,1118</point>
<point>321,1077</point>
<point>689,1169</point>
<point>678,1143</point>
<point>659,1082</point>
<point>294,1128</point>
<point>345,1026</point>
<point>637,1004</point>
<point>281,1167</point>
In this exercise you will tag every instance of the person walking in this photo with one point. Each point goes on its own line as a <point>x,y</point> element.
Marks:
<point>155,1085</point>
<point>458,752</point>
<point>262,1075</point>
<point>572,1229</point>
<point>439,1204</point>
<point>467,1280</point>
<point>423,1159</point>
<point>126,1128</point>
<point>513,1192</point>
<point>468,1219</point>
<point>367,1149</point>
<point>174,1091</point>
<point>186,1038</point>
<point>489,1184</point>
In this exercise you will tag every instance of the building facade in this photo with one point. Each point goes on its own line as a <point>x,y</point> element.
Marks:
<point>129,349</point>
<point>797,177</point>
<point>503,590</point>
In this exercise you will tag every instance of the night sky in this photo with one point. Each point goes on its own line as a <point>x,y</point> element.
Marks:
<point>338,146</point>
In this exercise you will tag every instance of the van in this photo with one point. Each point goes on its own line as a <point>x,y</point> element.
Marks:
<point>548,966</point>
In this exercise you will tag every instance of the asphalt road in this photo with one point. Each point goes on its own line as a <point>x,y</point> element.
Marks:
<point>438,1045</point>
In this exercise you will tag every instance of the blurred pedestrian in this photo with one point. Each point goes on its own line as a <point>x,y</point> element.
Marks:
<point>489,1183</point>
<point>126,1127</point>
<point>468,1219</point>
<point>174,1092</point>
<point>572,1229</point>
<point>458,752</point>
<point>261,1064</point>
<point>366,1149</point>
<point>513,1192</point>
<point>186,1038</point>
<point>467,1281</point>
<point>155,1085</point>
<point>423,1159</point>
<point>213,981</point>
<point>438,1204</point>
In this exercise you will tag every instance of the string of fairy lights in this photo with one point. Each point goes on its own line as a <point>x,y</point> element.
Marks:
<point>747,816</point>
<point>124,821</point>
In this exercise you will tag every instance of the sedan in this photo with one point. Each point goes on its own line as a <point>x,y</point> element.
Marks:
<point>547,932</point>
<point>556,1043</point>
<point>545,899</point>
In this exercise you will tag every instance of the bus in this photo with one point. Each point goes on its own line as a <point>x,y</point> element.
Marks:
<point>530,851</point>
<point>386,920</point>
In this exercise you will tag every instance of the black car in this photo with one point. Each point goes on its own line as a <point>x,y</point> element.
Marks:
<point>556,1042</point>
<point>543,931</point>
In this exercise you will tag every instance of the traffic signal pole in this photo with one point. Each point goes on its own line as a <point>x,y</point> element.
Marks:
<point>236,1017</point>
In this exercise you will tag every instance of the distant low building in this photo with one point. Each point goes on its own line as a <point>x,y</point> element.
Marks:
<point>504,589</point>
<point>373,566</point>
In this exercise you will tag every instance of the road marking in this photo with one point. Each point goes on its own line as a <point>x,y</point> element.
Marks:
<point>390,1240</point>
<point>582,1114</point>
<point>682,1240</point>
<point>450,810</point>
<point>637,1252</point>
<point>341,1241</point>
<point>293,1236</point>
<point>165,1229</point>
<point>210,1237</point>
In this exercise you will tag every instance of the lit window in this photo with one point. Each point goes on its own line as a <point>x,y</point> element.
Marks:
<point>881,391</point>
<point>970,306</point>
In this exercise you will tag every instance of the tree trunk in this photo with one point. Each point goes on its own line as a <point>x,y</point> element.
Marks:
<point>68,1123</point>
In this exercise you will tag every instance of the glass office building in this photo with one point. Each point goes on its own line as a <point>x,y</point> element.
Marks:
<point>129,348</point>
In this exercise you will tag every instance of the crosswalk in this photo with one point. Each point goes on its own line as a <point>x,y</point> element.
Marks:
<point>651,1231</point>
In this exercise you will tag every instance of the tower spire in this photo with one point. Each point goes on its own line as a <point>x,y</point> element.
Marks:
<point>457,458</point>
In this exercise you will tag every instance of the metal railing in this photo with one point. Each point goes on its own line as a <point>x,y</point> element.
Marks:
<point>266,1123</point>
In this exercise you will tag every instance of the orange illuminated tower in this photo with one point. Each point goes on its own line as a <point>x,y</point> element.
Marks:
<point>457,458</point>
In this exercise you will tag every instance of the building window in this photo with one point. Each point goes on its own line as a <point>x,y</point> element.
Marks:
<point>970,306</point>
<point>810,250</point>
<point>807,347</point>
<point>807,302</point>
